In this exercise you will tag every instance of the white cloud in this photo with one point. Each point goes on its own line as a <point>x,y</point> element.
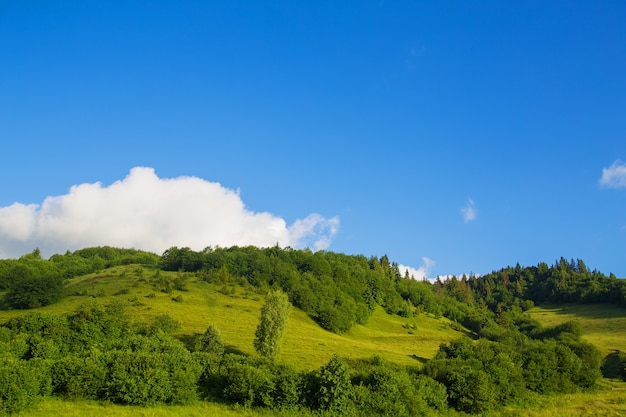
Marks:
<point>146,212</point>
<point>614,176</point>
<point>420,273</point>
<point>469,212</point>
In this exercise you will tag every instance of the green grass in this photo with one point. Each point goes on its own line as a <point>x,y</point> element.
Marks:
<point>53,406</point>
<point>605,403</point>
<point>604,325</point>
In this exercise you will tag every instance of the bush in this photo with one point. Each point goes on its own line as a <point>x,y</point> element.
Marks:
<point>19,385</point>
<point>390,393</point>
<point>80,377</point>
<point>163,323</point>
<point>287,387</point>
<point>152,370</point>
<point>249,385</point>
<point>211,341</point>
<point>137,378</point>
<point>34,291</point>
<point>433,392</point>
<point>469,388</point>
<point>330,388</point>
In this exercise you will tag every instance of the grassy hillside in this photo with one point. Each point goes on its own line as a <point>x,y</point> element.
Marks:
<point>235,310</point>
<point>604,325</point>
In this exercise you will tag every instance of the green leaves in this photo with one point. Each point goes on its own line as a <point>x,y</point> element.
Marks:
<point>274,317</point>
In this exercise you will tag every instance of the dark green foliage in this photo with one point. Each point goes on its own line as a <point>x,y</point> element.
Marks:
<point>81,376</point>
<point>287,387</point>
<point>433,392</point>
<point>211,341</point>
<point>94,324</point>
<point>249,381</point>
<point>34,291</point>
<point>150,370</point>
<point>107,256</point>
<point>614,365</point>
<point>19,385</point>
<point>505,371</point>
<point>469,389</point>
<point>388,390</point>
<point>563,282</point>
<point>137,378</point>
<point>331,388</point>
<point>249,385</point>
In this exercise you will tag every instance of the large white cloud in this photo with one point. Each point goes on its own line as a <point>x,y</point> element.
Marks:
<point>614,176</point>
<point>146,212</point>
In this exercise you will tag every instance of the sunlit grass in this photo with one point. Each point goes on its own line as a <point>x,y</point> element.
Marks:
<point>604,325</point>
<point>607,403</point>
<point>53,406</point>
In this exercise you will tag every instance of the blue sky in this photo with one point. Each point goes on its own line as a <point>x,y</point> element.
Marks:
<point>455,137</point>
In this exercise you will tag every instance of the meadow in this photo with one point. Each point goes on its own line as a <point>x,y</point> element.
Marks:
<point>604,325</point>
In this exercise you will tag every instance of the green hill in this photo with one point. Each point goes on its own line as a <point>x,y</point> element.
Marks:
<point>122,326</point>
<point>235,310</point>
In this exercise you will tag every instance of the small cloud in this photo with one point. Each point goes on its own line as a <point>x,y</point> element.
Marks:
<point>614,176</point>
<point>146,212</point>
<point>314,231</point>
<point>469,211</point>
<point>420,273</point>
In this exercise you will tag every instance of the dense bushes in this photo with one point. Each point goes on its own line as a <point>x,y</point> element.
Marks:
<point>20,383</point>
<point>34,291</point>
<point>479,375</point>
<point>93,353</point>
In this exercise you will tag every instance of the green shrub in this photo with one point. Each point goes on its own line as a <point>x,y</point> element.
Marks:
<point>434,393</point>
<point>34,291</point>
<point>211,341</point>
<point>19,385</point>
<point>137,378</point>
<point>330,388</point>
<point>470,389</point>
<point>287,387</point>
<point>163,323</point>
<point>249,385</point>
<point>80,377</point>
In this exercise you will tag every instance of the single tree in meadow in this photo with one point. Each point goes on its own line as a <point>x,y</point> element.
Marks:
<point>274,317</point>
<point>211,341</point>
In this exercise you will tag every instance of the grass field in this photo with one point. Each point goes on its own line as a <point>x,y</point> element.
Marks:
<point>604,325</point>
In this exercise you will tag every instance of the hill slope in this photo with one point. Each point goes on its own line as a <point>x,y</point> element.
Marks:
<point>235,310</point>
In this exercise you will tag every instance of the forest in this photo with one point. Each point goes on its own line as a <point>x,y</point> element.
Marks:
<point>97,352</point>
